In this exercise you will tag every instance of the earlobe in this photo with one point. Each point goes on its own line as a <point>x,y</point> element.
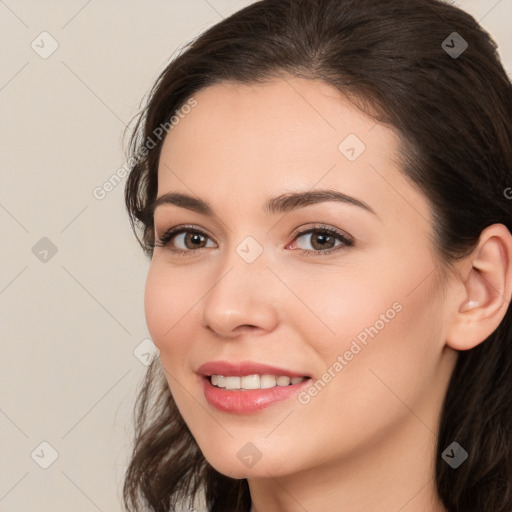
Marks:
<point>487,290</point>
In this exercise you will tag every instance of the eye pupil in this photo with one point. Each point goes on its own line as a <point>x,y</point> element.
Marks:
<point>324,239</point>
<point>195,237</point>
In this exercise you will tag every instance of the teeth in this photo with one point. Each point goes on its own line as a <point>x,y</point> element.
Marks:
<point>283,381</point>
<point>268,381</point>
<point>254,381</point>
<point>233,382</point>
<point>250,382</point>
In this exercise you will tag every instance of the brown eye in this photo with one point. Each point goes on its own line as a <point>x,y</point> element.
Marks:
<point>193,240</point>
<point>188,240</point>
<point>323,240</point>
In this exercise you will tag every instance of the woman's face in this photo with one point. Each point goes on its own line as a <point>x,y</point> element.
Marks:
<point>360,315</point>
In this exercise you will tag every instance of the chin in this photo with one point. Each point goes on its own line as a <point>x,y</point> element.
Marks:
<point>240,465</point>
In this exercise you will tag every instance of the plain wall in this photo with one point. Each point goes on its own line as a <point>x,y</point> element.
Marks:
<point>72,321</point>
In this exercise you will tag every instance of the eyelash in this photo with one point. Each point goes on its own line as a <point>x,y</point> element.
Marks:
<point>164,240</point>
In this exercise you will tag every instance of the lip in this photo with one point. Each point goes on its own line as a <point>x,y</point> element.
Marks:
<point>244,368</point>
<point>246,401</point>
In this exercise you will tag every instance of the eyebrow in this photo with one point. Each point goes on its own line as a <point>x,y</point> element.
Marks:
<point>281,204</point>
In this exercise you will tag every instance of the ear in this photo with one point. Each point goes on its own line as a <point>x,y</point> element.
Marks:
<point>486,289</point>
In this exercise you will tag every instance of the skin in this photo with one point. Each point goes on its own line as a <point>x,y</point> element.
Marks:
<point>366,441</point>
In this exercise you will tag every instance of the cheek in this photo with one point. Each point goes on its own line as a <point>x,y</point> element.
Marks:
<point>169,300</point>
<point>391,303</point>
<point>385,354</point>
<point>385,322</point>
<point>338,305</point>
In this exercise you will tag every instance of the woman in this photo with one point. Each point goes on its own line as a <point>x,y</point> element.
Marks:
<point>377,376</point>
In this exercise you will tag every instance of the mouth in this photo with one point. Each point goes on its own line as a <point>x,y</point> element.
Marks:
<point>254,381</point>
<point>248,387</point>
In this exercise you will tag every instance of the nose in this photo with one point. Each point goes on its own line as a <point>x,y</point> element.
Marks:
<point>242,299</point>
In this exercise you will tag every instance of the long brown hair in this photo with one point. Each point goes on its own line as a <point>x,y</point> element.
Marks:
<point>425,68</point>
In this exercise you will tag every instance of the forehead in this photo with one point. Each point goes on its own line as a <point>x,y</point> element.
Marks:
<point>254,141</point>
<point>287,114</point>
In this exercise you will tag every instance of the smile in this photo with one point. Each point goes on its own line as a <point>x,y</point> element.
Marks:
<point>254,381</point>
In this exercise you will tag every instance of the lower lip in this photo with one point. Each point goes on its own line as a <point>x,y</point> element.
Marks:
<point>248,400</point>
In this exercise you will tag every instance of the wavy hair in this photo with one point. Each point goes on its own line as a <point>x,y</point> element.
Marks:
<point>400,62</point>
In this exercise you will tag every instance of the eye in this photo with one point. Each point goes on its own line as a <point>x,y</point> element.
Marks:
<point>320,237</point>
<point>188,236</point>
<point>324,239</point>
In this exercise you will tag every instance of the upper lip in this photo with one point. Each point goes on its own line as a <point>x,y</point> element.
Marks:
<point>244,368</point>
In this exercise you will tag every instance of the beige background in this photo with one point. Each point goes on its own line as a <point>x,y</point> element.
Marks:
<point>72,323</point>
